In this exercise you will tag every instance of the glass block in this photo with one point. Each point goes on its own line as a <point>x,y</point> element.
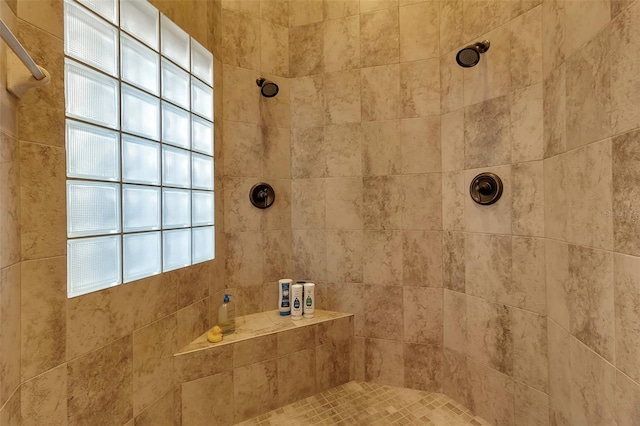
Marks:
<point>140,160</point>
<point>202,207</point>
<point>140,65</point>
<point>91,96</point>
<point>176,126</point>
<point>92,152</point>
<point>140,113</point>
<point>174,42</point>
<point>175,84</point>
<point>204,244</point>
<point>92,264</point>
<point>176,167</point>
<point>140,19</point>
<point>201,62</point>
<point>90,39</point>
<point>108,9</point>
<point>201,135</point>
<point>201,99</point>
<point>176,248</point>
<point>176,208</point>
<point>141,256</point>
<point>93,208</point>
<point>202,171</point>
<point>140,208</point>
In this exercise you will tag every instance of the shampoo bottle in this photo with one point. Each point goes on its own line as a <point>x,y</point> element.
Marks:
<point>284,297</point>
<point>296,302</point>
<point>227,316</point>
<point>309,299</point>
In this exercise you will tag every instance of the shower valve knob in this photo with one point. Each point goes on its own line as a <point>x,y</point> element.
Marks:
<point>486,188</point>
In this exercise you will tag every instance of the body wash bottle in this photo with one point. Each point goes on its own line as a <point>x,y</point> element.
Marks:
<point>227,316</point>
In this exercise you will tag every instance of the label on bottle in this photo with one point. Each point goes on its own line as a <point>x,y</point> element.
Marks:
<point>285,296</point>
<point>296,303</point>
<point>309,301</point>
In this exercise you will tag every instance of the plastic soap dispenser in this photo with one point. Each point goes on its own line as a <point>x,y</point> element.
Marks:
<point>227,316</point>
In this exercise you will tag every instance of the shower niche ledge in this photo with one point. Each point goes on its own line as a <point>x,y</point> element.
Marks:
<point>269,361</point>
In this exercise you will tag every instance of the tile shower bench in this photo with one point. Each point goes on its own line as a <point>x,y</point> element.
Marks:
<point>270,361</point>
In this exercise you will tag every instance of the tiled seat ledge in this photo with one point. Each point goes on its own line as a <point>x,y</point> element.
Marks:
<point>270,361</point>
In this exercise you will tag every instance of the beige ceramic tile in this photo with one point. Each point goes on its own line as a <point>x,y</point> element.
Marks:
<point>43,218</point>
<point>490,334</point>
<point>255,389</point>
<point>591,299</point>
<point>530,349</point>
<point>495,218</point>
<point>275,11</point>
<point>589,92</point>
<point>422,258</point>
<point>194,365</point>
<point>276,254</point>
<point>527,119</point>
<point>381,155</point>
<point>347,297</point>
<point>161,412</point>
<point>422,201</point>
<point>420,145</point>
<point>341,43</point>
<point>453,264</point>
<point>153,349</point>
<point>452,140</point>
<point>274,49</point>
<point>343,150</point>
<point>297,339</point>
<point>47,15</point>
<point>559,374</point>
<point>454,190</point>
<point>277,152</point>
<point>208,400</point>
<point>255,350</point>
<point>491,78</point>
<point>98,318</point>
<point>450,25</point>
<point>241,99</point>
<point>380,93</point>
<point>302,12</point>
<point>487,135</point>
<point>41,112</point>
<point>557,279</point>
<point>43,399</point>
<point>333,362</point>
<point>625,212</point>
<point>455,321</point>
<point>295,380</point>
<point>242,150</point>
<point>344,203</point>
<point>518,7</point>
<point>554,106</point>
<point>10,412</point>
<point>383,312</point>
<point>279,215</point>
<point>243,262</point>
<point>528,274</point>
<point>492,394</point>
<point>531,406</point>
<point>342,97</point>
<point>455,381</point>
<point>307,102</point>
<point>526,49</point>
<point>555,197</point>
<point>383,206</point>
<point>423,315</point>
<point>239,215</point>
<point>592,387</point>
<point>307,153</point>
<point>108,372</point>
<point>367,6</point>
<point>384,362</point>
<point>357,359</point>
<point>10,331</point>
<point>247,7</point>
<point>553,30</point>
<point>420,87</point>
<point>583,20</point>
<point>451,83</point>
<point>308,204</point>
<point>419,30</point>
<point>194,320</point>
<point>334,9</point>
<point>480,16</point>
<point>628,401</point>
<point>43,315</point>
<point>422,367</point>
<point>241,40</point>
<point>306,50</point>
<point>376,50</point>
<point>9,200</point>
<point>309,255</point>
<point>627,302</point>
<point>527,207</point>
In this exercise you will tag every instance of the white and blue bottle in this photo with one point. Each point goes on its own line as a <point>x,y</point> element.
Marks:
<point>296,302</point>
<point>284,300</point>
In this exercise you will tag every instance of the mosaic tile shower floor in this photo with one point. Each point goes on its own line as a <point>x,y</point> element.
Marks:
<point>368,404</point>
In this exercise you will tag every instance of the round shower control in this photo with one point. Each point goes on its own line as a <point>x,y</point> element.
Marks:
<point>486,188</point>
<point>262,195</point>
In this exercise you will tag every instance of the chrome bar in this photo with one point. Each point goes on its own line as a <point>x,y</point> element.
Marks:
<point>20,51</point>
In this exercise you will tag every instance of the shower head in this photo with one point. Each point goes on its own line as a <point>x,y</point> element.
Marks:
<point>268,88</point>
<point>470,55</point>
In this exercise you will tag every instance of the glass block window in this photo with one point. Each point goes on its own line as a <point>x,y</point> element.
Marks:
<point>139,144</point>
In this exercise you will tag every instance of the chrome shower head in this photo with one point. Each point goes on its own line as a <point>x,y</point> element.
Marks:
<point>470,55</point>
<point>268,88</point>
